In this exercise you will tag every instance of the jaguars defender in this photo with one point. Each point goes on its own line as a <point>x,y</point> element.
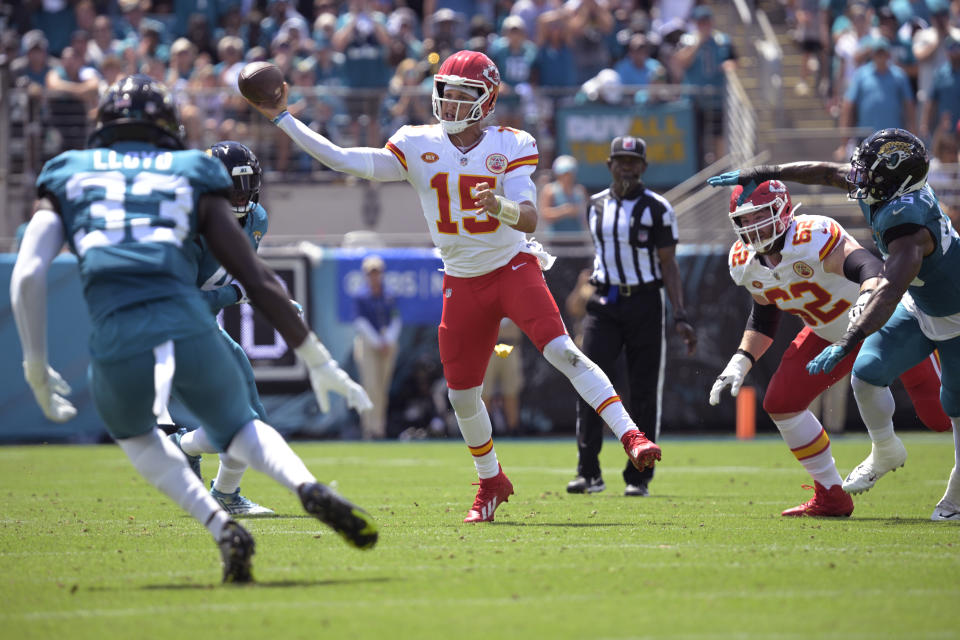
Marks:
<point>129,206</point>
<point>219,290</point>
<point>916,307</point>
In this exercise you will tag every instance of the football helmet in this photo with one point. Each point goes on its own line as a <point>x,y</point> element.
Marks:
<point>137,108</point>
<point>770,197</point>
<point>471,72</point>
<point>244,170</point>
<point>888,164</point>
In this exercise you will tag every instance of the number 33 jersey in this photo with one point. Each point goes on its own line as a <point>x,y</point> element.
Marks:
<point>470,241</point>
<point>129,214</point>
<point>799,284</point>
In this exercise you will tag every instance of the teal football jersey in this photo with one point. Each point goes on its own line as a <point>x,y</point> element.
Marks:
<point>936,289</point>
<point>129,214</point>
<point>211,274</point>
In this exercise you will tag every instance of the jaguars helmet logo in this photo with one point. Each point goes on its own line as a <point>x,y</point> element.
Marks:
<point>894,152</point>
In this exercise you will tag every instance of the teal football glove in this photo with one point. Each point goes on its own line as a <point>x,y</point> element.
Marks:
<point>728,179</point>
<point>827,359</point>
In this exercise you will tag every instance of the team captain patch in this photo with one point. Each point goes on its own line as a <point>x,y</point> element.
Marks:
<point>497,163</point>
<point>803,270</point>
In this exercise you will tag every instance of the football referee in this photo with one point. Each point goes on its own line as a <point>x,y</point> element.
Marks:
<point>635,237</point>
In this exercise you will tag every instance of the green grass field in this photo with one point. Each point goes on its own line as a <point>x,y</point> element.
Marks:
<point>89,550</point>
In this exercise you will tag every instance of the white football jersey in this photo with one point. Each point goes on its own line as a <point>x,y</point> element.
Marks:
<point>799,284</point>
<point>471,242</point>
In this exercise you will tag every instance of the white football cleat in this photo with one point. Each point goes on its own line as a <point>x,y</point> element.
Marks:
<point>884,456</point>
<point>945,510</point>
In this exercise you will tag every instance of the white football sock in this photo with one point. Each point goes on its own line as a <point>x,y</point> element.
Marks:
<point>229,474</point>
<point>809,443</point>
<point>161,463</point>
<point>876,408</point>
<point>476,429</point>
<point>953,484</point>
<point>259,446</point>
<point>196,443</point>
<point>590,382</point>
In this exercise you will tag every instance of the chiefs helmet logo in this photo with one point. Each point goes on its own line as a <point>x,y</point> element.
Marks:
<point>429,156</point>
<point>803,270</point>
<point>492,74</point>
<point>756,284</point>
<point>775,186</point>
<point>497,163</point>
<point>257,235</point>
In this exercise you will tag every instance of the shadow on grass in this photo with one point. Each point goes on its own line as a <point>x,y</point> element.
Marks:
<point>260,584</point>
<point>499,523</point>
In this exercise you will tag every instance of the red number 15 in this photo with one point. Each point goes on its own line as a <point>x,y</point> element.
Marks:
<point>466,184</point>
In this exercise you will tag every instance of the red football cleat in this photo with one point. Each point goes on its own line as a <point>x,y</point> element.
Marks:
<point>491,493</point>
<point>642,452</point>
<point>826,503</point>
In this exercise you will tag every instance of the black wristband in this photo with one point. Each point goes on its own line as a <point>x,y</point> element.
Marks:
<point>749,356</point>
<point>851,338</point>
<point>764,172</point>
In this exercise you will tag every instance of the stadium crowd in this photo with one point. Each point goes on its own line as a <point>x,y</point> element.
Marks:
<point>358,69</point>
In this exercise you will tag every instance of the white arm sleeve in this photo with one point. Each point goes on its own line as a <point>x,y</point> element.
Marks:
<point>42,241</point>
<point>364,162</point>
<point>519,188</point>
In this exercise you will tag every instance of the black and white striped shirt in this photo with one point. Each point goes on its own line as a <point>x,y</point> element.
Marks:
<point>626,235</point>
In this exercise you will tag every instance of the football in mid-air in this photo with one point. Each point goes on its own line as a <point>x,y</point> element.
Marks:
<point>261,82</point>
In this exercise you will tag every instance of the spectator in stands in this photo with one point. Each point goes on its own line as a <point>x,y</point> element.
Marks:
<point>182,57</point>
<point>515,56</point>
<point>402,27</point>
<point>153,67</point>
<point>55,19</point>
<point>128,27</point>
<point>591,24</point>
<point>251,31</point>
<point>443,33</point>
<point>531,11</point>
<point>363,39</point>
<point>638,68</point>
<point>669,35</point>
<point>279,12</point>
<point>72,91</point>
<point>377,323</point>
<point>230,52</point>
<point>406,102</point>
<point>849,33</point>
<point>329,64</point>
<point>231,24</point>
<point>321,7</point>
<point>808,36</point>
<point>554,66</point>
<point>323,29</point>
<point>563,202</point>
<point>879,96</point>
<point>151,43</point>
<point>103,43</point>
<point>907,10</point>
<point>705,56</point>
<point>33,67</point>
<point>943,108</point>
<point>84,15</point>
<point>605,87</point>
<point>901,47</point>
<point>930,47</point>
<point>80,41</point>
<point>111,70</point>
<point>943,175</point>
<point>198,32</point>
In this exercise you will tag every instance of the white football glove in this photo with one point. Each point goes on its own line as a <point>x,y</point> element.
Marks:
<point>857,309</point>
<point>48,388</point>
<point>732,376</point>
<point>327,376</point>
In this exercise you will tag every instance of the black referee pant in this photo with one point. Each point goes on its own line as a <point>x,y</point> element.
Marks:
<point>632,323</point>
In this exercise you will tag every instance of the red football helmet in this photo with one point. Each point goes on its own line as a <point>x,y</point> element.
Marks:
<point>770,197</point>
<point>473,73</point>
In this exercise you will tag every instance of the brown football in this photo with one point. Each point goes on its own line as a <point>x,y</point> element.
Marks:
<point>261,82</point>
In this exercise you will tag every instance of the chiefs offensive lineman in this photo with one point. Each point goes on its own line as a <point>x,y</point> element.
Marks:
<point>478,199</point>
<point>809,266</point>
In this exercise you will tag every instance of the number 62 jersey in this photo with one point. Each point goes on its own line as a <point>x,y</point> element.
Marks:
<point>798,284</point>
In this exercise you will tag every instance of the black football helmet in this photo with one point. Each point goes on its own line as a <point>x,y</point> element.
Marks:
<point>137,107</point>
<point>244,169</point>
<point>888,164</point>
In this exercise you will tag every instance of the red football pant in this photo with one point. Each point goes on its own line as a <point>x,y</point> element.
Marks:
<point>473,308</point>
<point>792,389</point>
